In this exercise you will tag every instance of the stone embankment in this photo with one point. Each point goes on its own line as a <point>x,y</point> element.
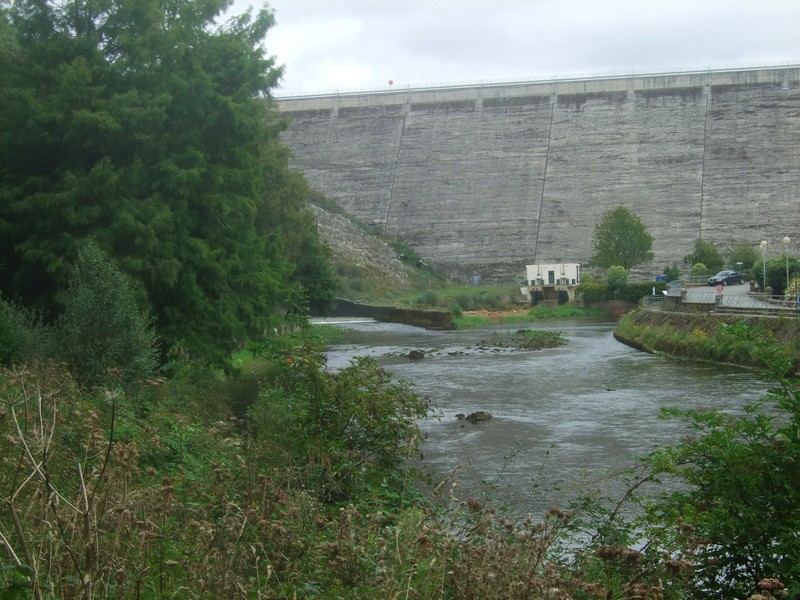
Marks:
<point>429,319</point>
<point>702,336</point>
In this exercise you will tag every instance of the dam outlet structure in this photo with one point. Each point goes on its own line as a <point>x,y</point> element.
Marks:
<point>488,178</point>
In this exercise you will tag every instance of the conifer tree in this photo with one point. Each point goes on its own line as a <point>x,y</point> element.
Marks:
<point>147,126</point>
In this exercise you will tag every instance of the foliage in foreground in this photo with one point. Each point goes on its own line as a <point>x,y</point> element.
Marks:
<point>739,511</point>
<point>99,501</point>
<point>160,492</point>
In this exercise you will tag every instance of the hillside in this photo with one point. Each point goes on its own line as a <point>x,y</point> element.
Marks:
<point>367,264</point>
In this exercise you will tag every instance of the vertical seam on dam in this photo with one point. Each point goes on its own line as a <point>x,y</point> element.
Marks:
<point>711,153</point>
<point>394,171</point>
<point>703,162</point>
<point>553,101</point>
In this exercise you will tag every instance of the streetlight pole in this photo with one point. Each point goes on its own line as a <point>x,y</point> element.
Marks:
<point>786,241</point>
<point>763,246</point>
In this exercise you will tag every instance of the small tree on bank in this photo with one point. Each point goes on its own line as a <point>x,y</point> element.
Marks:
<point>103,335</point>
<point>706,253</point>
<point>617,277</point>
<point>620,238</point>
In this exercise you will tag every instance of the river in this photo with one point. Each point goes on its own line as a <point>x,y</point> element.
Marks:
<point>566,420</point>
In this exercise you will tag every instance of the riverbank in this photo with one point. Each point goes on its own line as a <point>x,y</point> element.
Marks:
<point>526,315</point>
<point>726,339</point>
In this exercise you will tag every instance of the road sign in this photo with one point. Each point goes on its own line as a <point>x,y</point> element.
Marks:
<point>720,288</point>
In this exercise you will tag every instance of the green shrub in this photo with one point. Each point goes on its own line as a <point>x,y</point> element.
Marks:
<point>593,291</point>
<point>429,298</point>
<point>103,335</point>
<point>21,336</point>
<point>491,302</point>
<point>734,517</point>
<point>706,254</point>
<point>465,301</point>
<point>617,277</point>
<point>634,292</point>
<point>698,269</point>
<point>672,273</point>
<point>360,419</point>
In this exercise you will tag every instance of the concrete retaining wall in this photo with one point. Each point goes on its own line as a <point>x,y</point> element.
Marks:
<point>488,179</point>
<point>429,319</point>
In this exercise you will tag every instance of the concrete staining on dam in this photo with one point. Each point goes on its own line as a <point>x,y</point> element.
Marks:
<point>489,178</point>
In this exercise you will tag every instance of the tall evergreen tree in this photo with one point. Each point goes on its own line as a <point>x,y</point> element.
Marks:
<point>147,126</point>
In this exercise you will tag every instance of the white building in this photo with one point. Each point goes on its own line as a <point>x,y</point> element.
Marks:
<point>551,283</point>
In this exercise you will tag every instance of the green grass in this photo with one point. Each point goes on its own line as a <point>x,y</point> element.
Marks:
<point>471,322</point>
<point>465,296</point>
<point>534,339</point>
<point>555,313</point>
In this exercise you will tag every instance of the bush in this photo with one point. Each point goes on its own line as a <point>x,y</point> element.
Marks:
<point>491,302</point>
<point>103,336</point>
<point>429,298</point>
<point>634,292</point>
<point>735,518</point>
<point>465,301</point>
<point>617,277</point>
<point>594,291</point>
<point>706,253</point>
<point>600,291</point>
<point>672,273</point>
<point>698,269</point>
<point>360,419</point>
<point>20,334</point>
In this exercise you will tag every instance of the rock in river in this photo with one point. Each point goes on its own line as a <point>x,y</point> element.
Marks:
<point>479,416</point>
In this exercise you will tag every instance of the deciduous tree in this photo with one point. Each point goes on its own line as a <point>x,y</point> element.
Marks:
<point>620,238</point>
<point>706,253</point>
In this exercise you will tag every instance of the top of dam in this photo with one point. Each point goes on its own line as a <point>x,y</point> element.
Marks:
<point>786,76</point>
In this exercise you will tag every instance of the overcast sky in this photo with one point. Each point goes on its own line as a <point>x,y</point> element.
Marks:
<point>341,45</point>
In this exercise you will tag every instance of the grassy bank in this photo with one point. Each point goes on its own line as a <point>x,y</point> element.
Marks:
<point>710,337</point>
<point>537,314</point>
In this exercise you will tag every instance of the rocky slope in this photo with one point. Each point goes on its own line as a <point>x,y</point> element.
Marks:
<point>359,253</point>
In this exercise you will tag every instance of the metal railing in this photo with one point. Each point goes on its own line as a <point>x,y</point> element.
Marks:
<point>652,301</point>
<point>751,303</point>
<point>694,280</point>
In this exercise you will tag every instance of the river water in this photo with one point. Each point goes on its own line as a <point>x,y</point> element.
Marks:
<point>566,421</point>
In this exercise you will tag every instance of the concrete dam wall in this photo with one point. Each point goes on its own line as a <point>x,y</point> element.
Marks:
<point>489,178</point>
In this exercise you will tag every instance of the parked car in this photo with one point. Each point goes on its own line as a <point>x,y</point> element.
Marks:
<point>727,278</point>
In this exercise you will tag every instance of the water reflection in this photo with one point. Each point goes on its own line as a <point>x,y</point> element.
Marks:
<point>567,419</point>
